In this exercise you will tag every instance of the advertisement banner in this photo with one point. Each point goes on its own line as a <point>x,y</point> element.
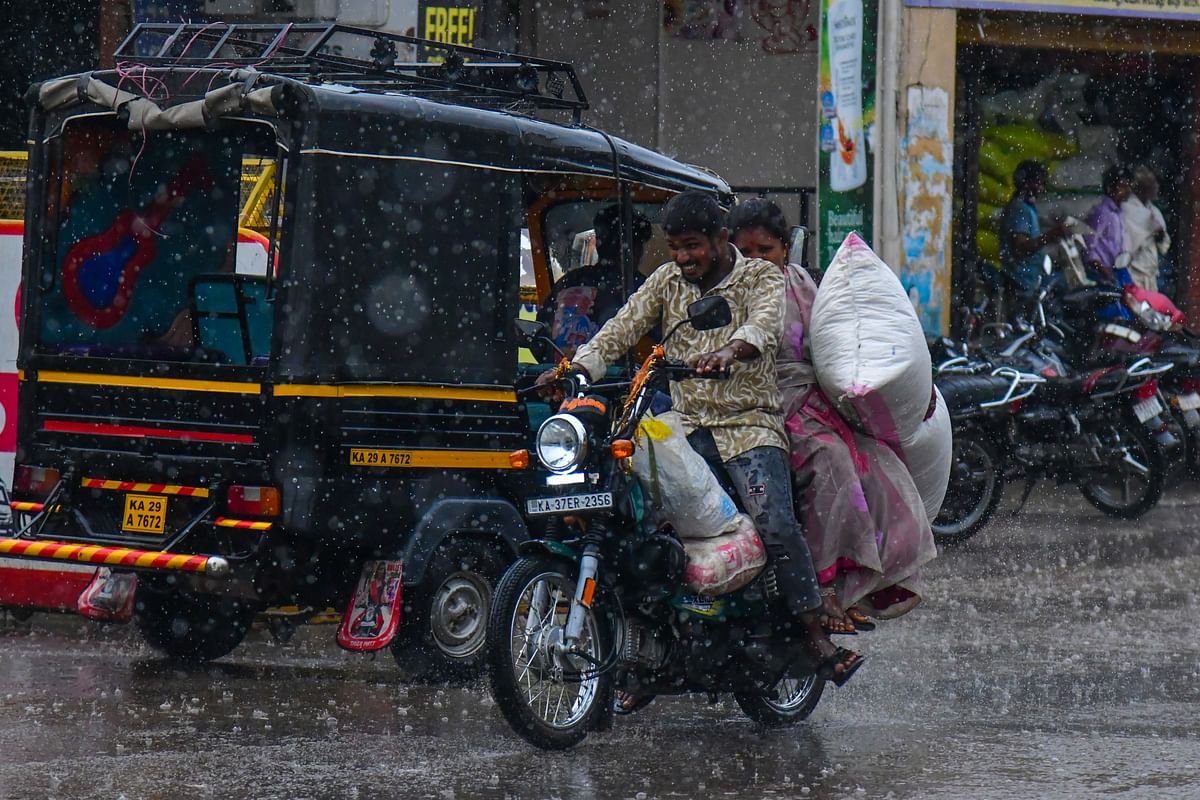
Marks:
<point>846,174</point>
<point>1145,9</point>
<point>474,23</point>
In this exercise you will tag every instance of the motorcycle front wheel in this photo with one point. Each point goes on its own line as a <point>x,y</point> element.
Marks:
<point>550,698</point>
<point>975,488</point>
<point>1130,480</point>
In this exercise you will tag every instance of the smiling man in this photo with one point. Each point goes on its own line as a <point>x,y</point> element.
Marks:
<point>739,418</point>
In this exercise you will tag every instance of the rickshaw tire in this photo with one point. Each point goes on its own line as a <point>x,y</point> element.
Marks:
<point>191,629</point>
<point>460,578</point>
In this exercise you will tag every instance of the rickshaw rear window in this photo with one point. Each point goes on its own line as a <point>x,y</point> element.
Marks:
<point>141,230</point>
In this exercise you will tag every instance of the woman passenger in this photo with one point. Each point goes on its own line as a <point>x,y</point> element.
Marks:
<point>863,518</point>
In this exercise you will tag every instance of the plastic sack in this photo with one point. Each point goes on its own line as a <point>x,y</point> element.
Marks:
<point>1031,141</point>
<point>994,191</point>
<point>678,485</point>
<point>994,160</point>
<point>869,349</point>
<point>1081,173</point>
<point>1100,141</point>
<point>927,454</point>
<point>987,245</point>
<point>727,562</point>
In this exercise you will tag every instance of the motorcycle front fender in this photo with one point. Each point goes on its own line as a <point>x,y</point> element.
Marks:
<point>551,547</point>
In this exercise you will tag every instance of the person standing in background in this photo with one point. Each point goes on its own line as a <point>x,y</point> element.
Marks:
<point>1146,237</point>
<point>1106,243</point>
<point>1021,236</point>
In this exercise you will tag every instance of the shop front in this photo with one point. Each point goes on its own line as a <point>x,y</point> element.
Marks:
<point>1078,86</point>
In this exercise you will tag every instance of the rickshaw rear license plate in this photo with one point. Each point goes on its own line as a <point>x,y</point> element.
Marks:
<point>572,502</point>
<point>144,513</point>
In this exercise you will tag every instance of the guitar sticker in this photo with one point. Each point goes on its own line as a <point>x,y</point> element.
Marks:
<point>100,271</point>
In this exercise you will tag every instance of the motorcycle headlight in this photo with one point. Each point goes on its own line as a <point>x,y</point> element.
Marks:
<point>561,443</point>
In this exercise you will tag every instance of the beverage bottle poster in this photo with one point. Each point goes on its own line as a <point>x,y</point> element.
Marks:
<point>846,116</point>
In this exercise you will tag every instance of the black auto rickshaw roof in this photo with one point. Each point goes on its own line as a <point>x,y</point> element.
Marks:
<point>460,105</point>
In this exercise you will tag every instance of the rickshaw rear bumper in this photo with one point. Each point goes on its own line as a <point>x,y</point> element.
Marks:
<point>119,557</point>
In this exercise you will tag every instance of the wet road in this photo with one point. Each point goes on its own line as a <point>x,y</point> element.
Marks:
<point>1057,656</point>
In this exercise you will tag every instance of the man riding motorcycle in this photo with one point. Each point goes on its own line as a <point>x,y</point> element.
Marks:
<point>740,418</point>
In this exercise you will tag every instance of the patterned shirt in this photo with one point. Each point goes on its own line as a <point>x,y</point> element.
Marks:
<point>742,412</point>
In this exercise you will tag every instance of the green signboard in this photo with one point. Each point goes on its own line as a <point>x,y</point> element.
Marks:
<point>845,158</point>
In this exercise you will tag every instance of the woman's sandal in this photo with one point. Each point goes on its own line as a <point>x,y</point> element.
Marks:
<point>832,626</point>
<point>850,661</point>
<point>860,620</point>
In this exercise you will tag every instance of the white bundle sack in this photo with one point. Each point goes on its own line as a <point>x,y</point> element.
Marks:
<point>679,486</point>
<point>1080,173</point>
<point>725,563</point>
<point>927,454</point>
<point>868,347</point>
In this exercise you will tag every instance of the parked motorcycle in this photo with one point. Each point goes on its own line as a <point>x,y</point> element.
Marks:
<point>1079,427</point>
<point>599,603</point>
<point>982,401</point>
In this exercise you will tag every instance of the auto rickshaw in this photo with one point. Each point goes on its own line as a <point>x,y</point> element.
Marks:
<point>340,424</point>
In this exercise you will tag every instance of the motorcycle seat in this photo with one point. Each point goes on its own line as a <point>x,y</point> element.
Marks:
<point>1076,386</point>
<point>1079,302</point>
<point>1181,354</point>
<point>966,392</point>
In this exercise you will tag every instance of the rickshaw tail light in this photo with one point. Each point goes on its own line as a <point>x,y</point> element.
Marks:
<point>253,501</point>
<point>34,481</point>
<point>621,448</point>
<point>519,459</point>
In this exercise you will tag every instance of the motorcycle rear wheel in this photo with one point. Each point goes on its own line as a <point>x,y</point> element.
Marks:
<point>976,486</point>
<point>551,700</point>
<point>793,701</point>
<point>1120,488</point>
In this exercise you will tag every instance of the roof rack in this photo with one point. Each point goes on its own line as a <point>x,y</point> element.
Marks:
<point>365,59</point>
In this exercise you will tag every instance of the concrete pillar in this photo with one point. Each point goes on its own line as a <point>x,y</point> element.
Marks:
<point>914,189</point>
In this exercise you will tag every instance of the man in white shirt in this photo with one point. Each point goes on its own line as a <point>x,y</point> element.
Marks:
<point>1146,238</point>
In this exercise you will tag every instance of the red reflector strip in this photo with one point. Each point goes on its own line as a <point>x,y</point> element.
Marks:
<point>243,524</point>
<point>589,591</point>
<point>153,488</point>
<point>136,431</point>
<point>22,505</point>
<point>108,556</point>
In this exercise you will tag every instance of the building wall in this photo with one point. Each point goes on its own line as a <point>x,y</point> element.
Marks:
<point>725,104</point>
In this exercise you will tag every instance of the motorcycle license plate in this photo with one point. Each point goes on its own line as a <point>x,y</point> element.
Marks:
<point>1147,409</point>
<point>1188,402</point>
<point>596,501</point>
<point>144,513</point>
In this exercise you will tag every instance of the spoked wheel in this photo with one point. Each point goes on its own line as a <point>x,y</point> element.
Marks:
<point>1129,480</point>
<point>976,486</point>
<point>552,698</point>
<point>791,701</point>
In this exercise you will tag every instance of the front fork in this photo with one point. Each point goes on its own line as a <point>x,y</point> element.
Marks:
<point>585,592</point>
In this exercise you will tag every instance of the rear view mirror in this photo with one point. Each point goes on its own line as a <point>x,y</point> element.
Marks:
<point>710,313</point>
<point>798,246</point>
<point>529,331</point>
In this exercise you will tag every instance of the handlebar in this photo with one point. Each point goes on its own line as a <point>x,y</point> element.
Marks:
<point>679,371</point>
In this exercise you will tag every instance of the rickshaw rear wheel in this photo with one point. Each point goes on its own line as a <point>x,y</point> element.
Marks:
<point>443,630</point>
<point>191,628</point>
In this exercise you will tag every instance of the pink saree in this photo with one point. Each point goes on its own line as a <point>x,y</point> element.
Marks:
<point>862,516</point>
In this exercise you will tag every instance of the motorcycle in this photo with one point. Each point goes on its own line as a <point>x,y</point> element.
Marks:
<point>598,603</point>
<point>1079,428</point>
<point>982,401</point>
